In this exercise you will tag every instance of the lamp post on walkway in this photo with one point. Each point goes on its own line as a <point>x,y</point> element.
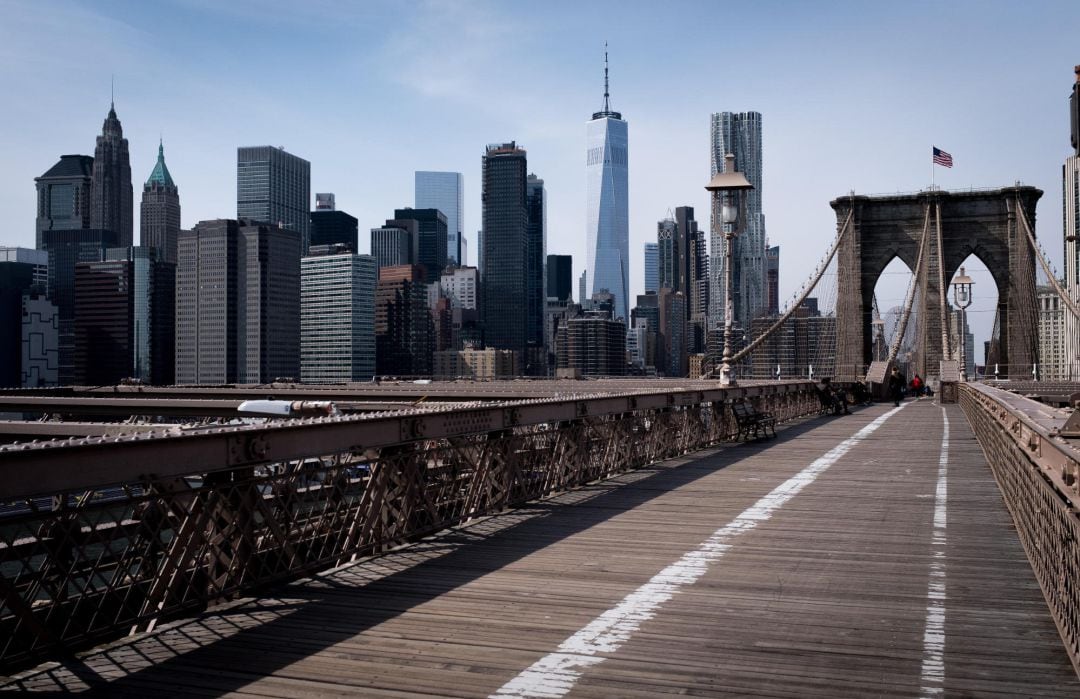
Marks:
<point>962,293</point>
<point>727,188</point>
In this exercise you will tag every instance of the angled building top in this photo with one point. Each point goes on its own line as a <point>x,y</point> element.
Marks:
<point>71,166</point>
<point>160,174</point>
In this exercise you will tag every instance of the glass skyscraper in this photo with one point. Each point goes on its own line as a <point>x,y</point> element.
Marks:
<point>444,191</point>
<point>274,186</point>
<point>652,267</point>
<point>607,228</point>
<point>739,134</point>
<point>505,217</point>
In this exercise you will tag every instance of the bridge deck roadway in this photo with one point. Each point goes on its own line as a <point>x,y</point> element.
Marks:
<point>841,559</point>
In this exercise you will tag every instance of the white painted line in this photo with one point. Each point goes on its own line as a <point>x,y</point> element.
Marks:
<point>554,675</point>
<point>933,662</point>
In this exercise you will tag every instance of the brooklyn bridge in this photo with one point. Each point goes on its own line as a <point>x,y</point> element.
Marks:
<point>550,538</point>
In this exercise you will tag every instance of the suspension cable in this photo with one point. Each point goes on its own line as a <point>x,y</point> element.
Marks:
<point>741,354</point>
<point>894,349</point>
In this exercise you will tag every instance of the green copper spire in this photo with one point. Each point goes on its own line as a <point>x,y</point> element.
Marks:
<point>160,175</point>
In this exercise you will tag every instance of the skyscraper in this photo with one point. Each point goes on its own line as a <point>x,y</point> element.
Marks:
<point>667,267</point>
<point>17,279</point>
<point>560,275</point>
<point>607,229</point>
<point>66,249</point>
<point>104,327</point>
<point>237,303</point>
<point>652,267</point>
<point>111,197</point>
<point>274,186</point>
<point>772,276</point>
<point>444,191</point>
<point>1070,190</point>
<point>505,219</point>
<point>429,249</point>
<point>207,298</point>
<point>332,227</point>
<point>337,318</point>
<point>392,244</point>
<point>159,222</point>
<point>268,268</point>
<point>404,331</point>
<point>63,195</point>
<point>535,279</point>
<point>740,135</point>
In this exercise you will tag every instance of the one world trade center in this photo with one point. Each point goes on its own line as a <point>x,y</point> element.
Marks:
<point>607,208</point>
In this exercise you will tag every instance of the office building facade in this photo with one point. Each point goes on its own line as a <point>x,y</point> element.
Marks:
<point>535,363</point>
<point>593,345</point>
<point>207,299</point>
<point>444,191</point>
<point>560,275</point>
<point>40,360</point>
<point>16,280</point>
<point>607,207</point>
<point>111,196</point>
<point>505,222</point>
<point>772,280</point>
<point>66,249</point>
<point>739,134</point>
<point>429,251</point>
<point>268,260</point>
<point>393,243</point>
<point>63,196</point>
<point>652,267</point>
<point>337,318</point>
<point>404,330</point>
<point>332,227</point>
<point>274,186</point>
<point>104,325</point>
<point>1070,195</point>
<point>159,220</point>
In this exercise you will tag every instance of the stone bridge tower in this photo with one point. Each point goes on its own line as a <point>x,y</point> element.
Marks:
<point>955,225</point>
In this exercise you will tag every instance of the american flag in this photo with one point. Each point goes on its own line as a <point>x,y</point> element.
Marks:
<point>942,158</point>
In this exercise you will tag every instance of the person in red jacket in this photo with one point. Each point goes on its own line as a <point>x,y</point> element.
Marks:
<point>917,386</point>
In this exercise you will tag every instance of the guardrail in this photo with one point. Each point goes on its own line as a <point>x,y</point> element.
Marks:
<point>1038,473</point>
<point>108,535</point>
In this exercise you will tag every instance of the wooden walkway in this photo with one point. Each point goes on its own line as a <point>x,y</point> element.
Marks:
<point>874,569</point>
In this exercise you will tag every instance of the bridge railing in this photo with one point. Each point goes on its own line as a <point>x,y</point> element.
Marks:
<point>104,536</point>
<point>1038,473</point>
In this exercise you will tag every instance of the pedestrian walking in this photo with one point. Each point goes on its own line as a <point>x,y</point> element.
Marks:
<point>897,383</point>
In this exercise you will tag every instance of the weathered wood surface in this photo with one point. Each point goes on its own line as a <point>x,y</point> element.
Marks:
<point>827,597</point>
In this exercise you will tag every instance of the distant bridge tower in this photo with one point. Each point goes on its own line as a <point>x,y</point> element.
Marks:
<point>939,229</point>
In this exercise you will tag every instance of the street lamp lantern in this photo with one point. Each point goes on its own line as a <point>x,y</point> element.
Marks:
<point>728,186</point>
<point>961,284</point>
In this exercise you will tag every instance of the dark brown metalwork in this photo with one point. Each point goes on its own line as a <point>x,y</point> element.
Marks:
<point>100,536</point>
<point>1037,471</point>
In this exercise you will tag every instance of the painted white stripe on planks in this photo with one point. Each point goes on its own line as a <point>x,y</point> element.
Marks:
<point>933,662</point>
<point>554,675</point>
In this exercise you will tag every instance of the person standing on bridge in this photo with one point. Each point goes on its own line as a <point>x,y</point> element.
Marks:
<point>897,384</point>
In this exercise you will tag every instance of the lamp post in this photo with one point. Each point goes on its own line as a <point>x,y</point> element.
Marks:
<point>962,293</point>
<point>728,187</point>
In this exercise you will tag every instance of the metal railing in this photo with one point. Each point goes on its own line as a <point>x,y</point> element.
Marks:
<point>104,536</point>
<point>1037,472</point>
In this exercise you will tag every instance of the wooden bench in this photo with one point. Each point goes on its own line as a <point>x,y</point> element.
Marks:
<point>750,421</point>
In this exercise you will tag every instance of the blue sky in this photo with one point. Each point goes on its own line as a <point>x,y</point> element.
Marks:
<point>853,95</point>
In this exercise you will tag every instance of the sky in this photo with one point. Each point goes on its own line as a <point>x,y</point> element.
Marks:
<point>853,95</point>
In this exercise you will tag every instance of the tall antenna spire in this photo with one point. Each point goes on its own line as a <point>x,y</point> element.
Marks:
<point>606,112</point>
<point>112,91</point>
<point>607,105</point>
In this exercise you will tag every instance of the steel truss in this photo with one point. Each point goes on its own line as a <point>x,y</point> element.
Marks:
<point>108,535</point>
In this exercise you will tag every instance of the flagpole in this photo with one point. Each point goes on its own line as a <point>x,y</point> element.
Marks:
<point>933,172</point>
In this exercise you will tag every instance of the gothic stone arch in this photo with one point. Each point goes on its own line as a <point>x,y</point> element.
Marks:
<point>981,222</point>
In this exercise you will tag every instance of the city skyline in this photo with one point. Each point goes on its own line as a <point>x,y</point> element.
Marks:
<point>832,117</point>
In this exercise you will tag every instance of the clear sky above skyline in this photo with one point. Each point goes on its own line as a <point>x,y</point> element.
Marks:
<point>852,95</point>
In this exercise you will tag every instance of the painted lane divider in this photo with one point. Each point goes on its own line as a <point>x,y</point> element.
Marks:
<point>555,674</point>
<point>933,662</point>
